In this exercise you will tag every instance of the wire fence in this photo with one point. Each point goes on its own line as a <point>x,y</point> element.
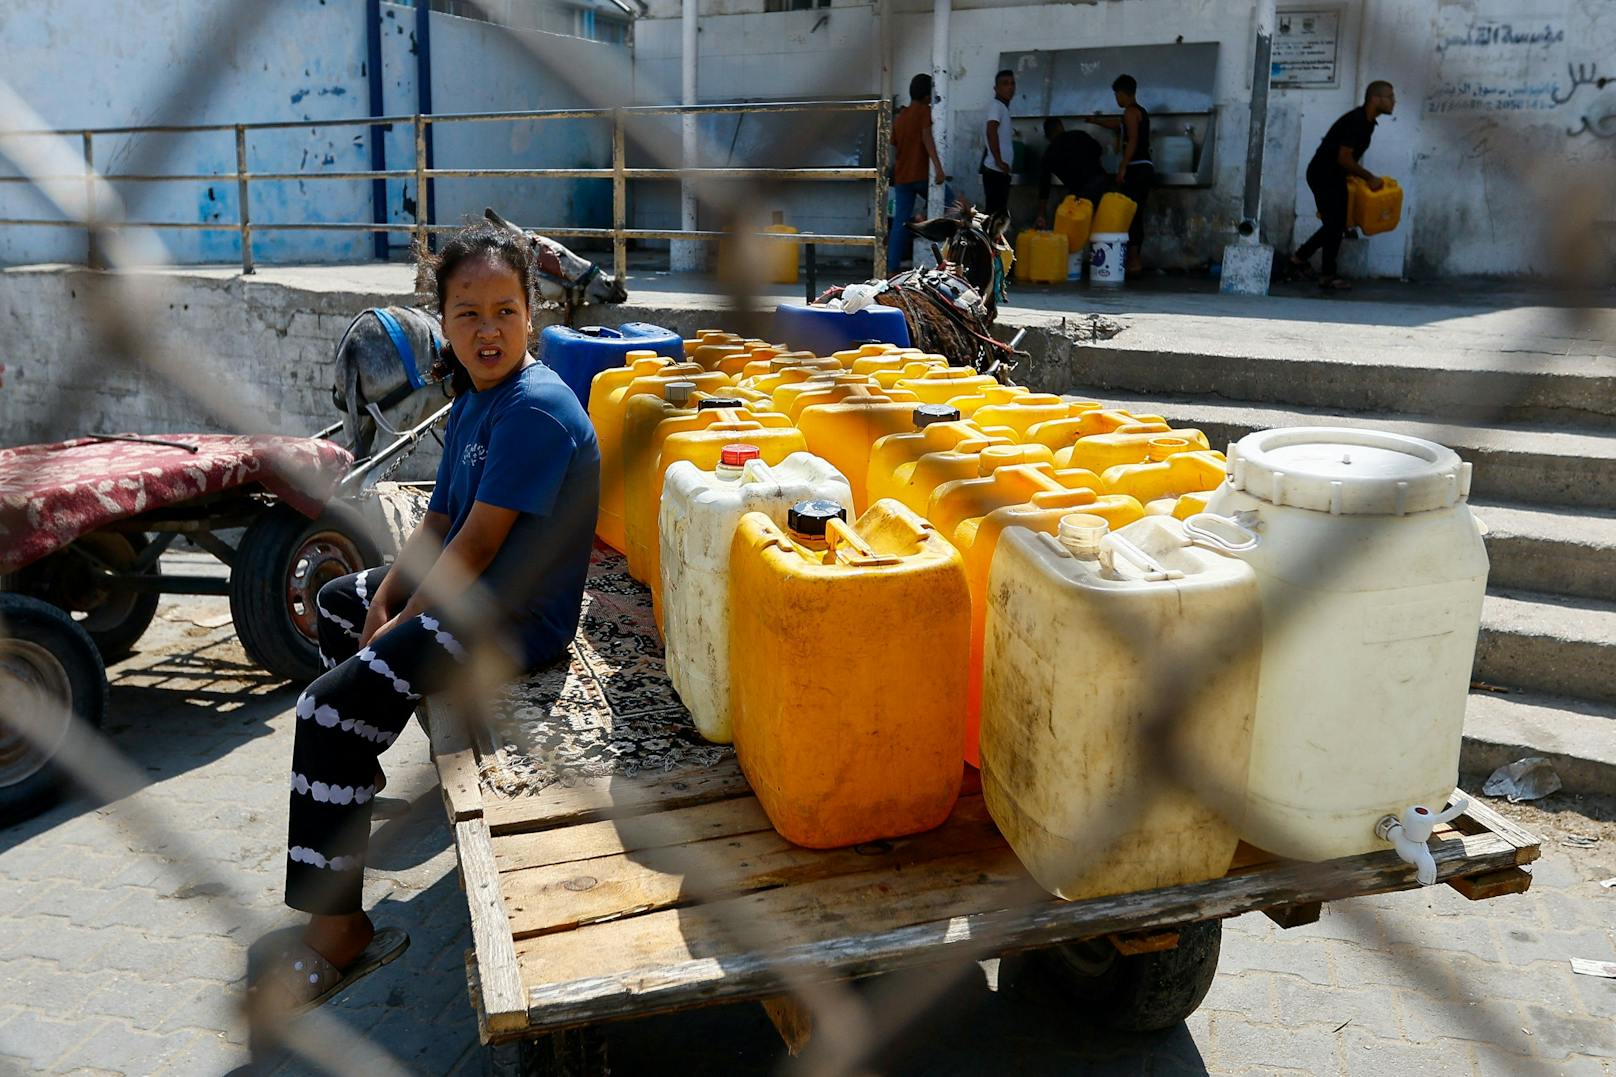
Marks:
<point>854,1026</point>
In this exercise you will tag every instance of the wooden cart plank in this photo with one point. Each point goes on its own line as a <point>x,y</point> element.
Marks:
<point>502,1002</point>
<point>560,897</point>
<point>987,917</point>
<point>456,760</point>
<point>584,841</point>
<point>613,798</point>
<point>1479,817</point>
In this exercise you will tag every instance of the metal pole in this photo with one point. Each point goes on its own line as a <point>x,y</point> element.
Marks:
<point>811,278</point>
<point>243,210</point>
<point>1251,204</point>
<point>883,142</point>
<point>686,256</point>
<point>420,186</point>
<point>92,253</point>
<point>378,137</point>
<point>942,15</point>
<point>423,96</point>
<point>619,199</point>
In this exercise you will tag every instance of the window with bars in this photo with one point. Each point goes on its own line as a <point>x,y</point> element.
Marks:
<point>793,5</point>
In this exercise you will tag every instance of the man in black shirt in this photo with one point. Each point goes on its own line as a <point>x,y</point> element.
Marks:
<point>1073,157</point>
<point>1339,156</point>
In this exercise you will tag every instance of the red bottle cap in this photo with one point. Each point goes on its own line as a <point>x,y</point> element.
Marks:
<point>738,455</point>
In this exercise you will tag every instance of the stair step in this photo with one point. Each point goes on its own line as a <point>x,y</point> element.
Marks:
<point>1480,382</point>
<point>1548,643</point>
<point>1551,551</point>
<point>1578,737</point>
<point>1513,464</point>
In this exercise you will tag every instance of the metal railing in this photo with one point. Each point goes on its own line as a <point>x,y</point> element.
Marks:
<point>619,173</point>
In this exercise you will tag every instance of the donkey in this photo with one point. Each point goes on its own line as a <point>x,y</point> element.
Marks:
<point>384,358</point>
<point>950,310</point>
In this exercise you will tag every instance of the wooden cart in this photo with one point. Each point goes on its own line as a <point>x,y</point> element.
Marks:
<point>621,897</point>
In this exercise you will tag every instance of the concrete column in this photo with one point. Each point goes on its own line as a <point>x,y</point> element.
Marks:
<point>1248,262</point>
<point>686,256</point>
<point>883,13</point>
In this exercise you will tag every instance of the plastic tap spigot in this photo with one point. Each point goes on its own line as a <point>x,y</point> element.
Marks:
<point>1409,834</point>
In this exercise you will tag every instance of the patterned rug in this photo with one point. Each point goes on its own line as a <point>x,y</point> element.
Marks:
<point>609,710</point>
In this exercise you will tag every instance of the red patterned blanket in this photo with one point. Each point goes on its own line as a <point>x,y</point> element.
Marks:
<point>52,494</point>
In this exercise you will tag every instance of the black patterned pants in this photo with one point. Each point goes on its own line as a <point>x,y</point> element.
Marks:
<point>345,720</point>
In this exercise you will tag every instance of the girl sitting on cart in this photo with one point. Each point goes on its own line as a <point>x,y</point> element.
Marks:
<point>495,573</point>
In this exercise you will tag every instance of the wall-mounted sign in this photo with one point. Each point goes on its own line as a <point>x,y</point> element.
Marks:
<point>1306,47</point>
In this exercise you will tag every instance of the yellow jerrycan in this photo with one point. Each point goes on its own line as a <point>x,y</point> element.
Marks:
<point>983,395</point>
<point>1088,418</point>
<point>1170,469</point>
<point>1040,256</point>
<point>1373,212</point>
<point>1182,507</point>
<point>1128,445</point>
<point>608,398</point>
<point>641,486</point>
<point>792,399</point>
<point>894,458</point>
<point>710,354</point>
<point>845,431</point>
<point>908,366</point>
<point>732,358</point>
<point>941,386</point>
<point>975,512</point>
<point>1019,411</point>
<point>1074,730</point>
<point>1073,219</point>
<point>873,365</point>
<point>704,448</point>
<point>705,337</point>
<point>760,366</point>
<point>782,255</point>
<point>849,357</point>
<point>1115,213</point>
<point>967,460</point>
<point>843,737</point>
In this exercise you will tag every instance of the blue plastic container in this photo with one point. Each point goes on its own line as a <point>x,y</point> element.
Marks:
<point>579,354</point>
<point>824,330</point>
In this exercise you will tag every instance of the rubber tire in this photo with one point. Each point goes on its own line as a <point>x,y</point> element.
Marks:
<point>257,599</point>
<point>573,1052</point>
<point>1144,992</point>
<point>117,641</point>
<point>55,630</point>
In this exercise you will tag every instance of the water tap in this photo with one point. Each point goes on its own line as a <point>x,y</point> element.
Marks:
<point>1410,833</point>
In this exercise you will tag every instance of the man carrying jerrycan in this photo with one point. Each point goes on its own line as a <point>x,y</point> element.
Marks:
<point>1339,156</point>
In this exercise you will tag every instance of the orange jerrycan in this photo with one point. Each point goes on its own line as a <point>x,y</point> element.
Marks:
<point>762,364</point>
<point>709,354</point>
<point>974,513</point>
<point>608,398</point>
<point>941,386</point>
<point>1171,468</point>
<point>938,428</point>
<point>703,447</point>
<point>1088,419</point>
<point>646,433</point>
<point>732,359</point>
<point>968,460</point>
<point>1040,256</point>
<point>844,737</point>
<point>844,431</point>
<point>1129,445</point>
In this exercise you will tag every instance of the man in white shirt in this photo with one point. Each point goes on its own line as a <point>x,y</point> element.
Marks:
<point>997,157</point>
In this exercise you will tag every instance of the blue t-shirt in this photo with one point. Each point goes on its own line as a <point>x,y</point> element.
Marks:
<point>526,444</point>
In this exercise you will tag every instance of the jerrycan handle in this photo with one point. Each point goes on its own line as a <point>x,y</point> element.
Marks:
<point>1227,534</point>
<point>755,470</point>
<point>1113,546</point>
<point>839,533</point>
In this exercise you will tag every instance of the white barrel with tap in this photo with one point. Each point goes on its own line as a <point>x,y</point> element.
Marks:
<point>1371,571</point>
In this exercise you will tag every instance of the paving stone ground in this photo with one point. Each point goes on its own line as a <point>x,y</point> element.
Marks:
<point>123,932</point>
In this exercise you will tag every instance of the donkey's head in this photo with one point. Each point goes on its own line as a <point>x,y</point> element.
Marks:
<point>970,242</point>
<point>564,277</point>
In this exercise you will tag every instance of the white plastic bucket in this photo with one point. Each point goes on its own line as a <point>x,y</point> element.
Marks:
<point>1108,256</point>
<point>1074,265</point>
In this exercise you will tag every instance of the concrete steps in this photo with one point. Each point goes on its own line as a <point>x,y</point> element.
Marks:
<point>1548,643</point>
<point>1577,736</point>
<point>1551,551</point>
<point>1534,466</point>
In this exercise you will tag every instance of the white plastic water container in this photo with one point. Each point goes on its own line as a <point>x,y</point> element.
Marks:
<point>1108,258</point>
<point>1108,659</point>
<point>696,524</point>
<point>1372,572</point>
<point>1174,153</point>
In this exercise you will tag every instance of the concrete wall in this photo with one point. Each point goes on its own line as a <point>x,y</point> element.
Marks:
<point>99,63</point>
<point>1489,139</point>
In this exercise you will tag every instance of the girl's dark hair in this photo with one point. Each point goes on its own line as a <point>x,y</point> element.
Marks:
<point>482,239</point>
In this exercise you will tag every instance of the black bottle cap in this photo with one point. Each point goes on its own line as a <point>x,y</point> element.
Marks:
<point>712,402</point>
<point>926,414</point>
<point>811,517</point>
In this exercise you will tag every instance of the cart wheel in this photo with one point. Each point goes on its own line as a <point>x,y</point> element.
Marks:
<point>283,561</point>
<point>43,650</point>
<point>573,1052</point>
<point>116,619</point>
<point>1142,992</point>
